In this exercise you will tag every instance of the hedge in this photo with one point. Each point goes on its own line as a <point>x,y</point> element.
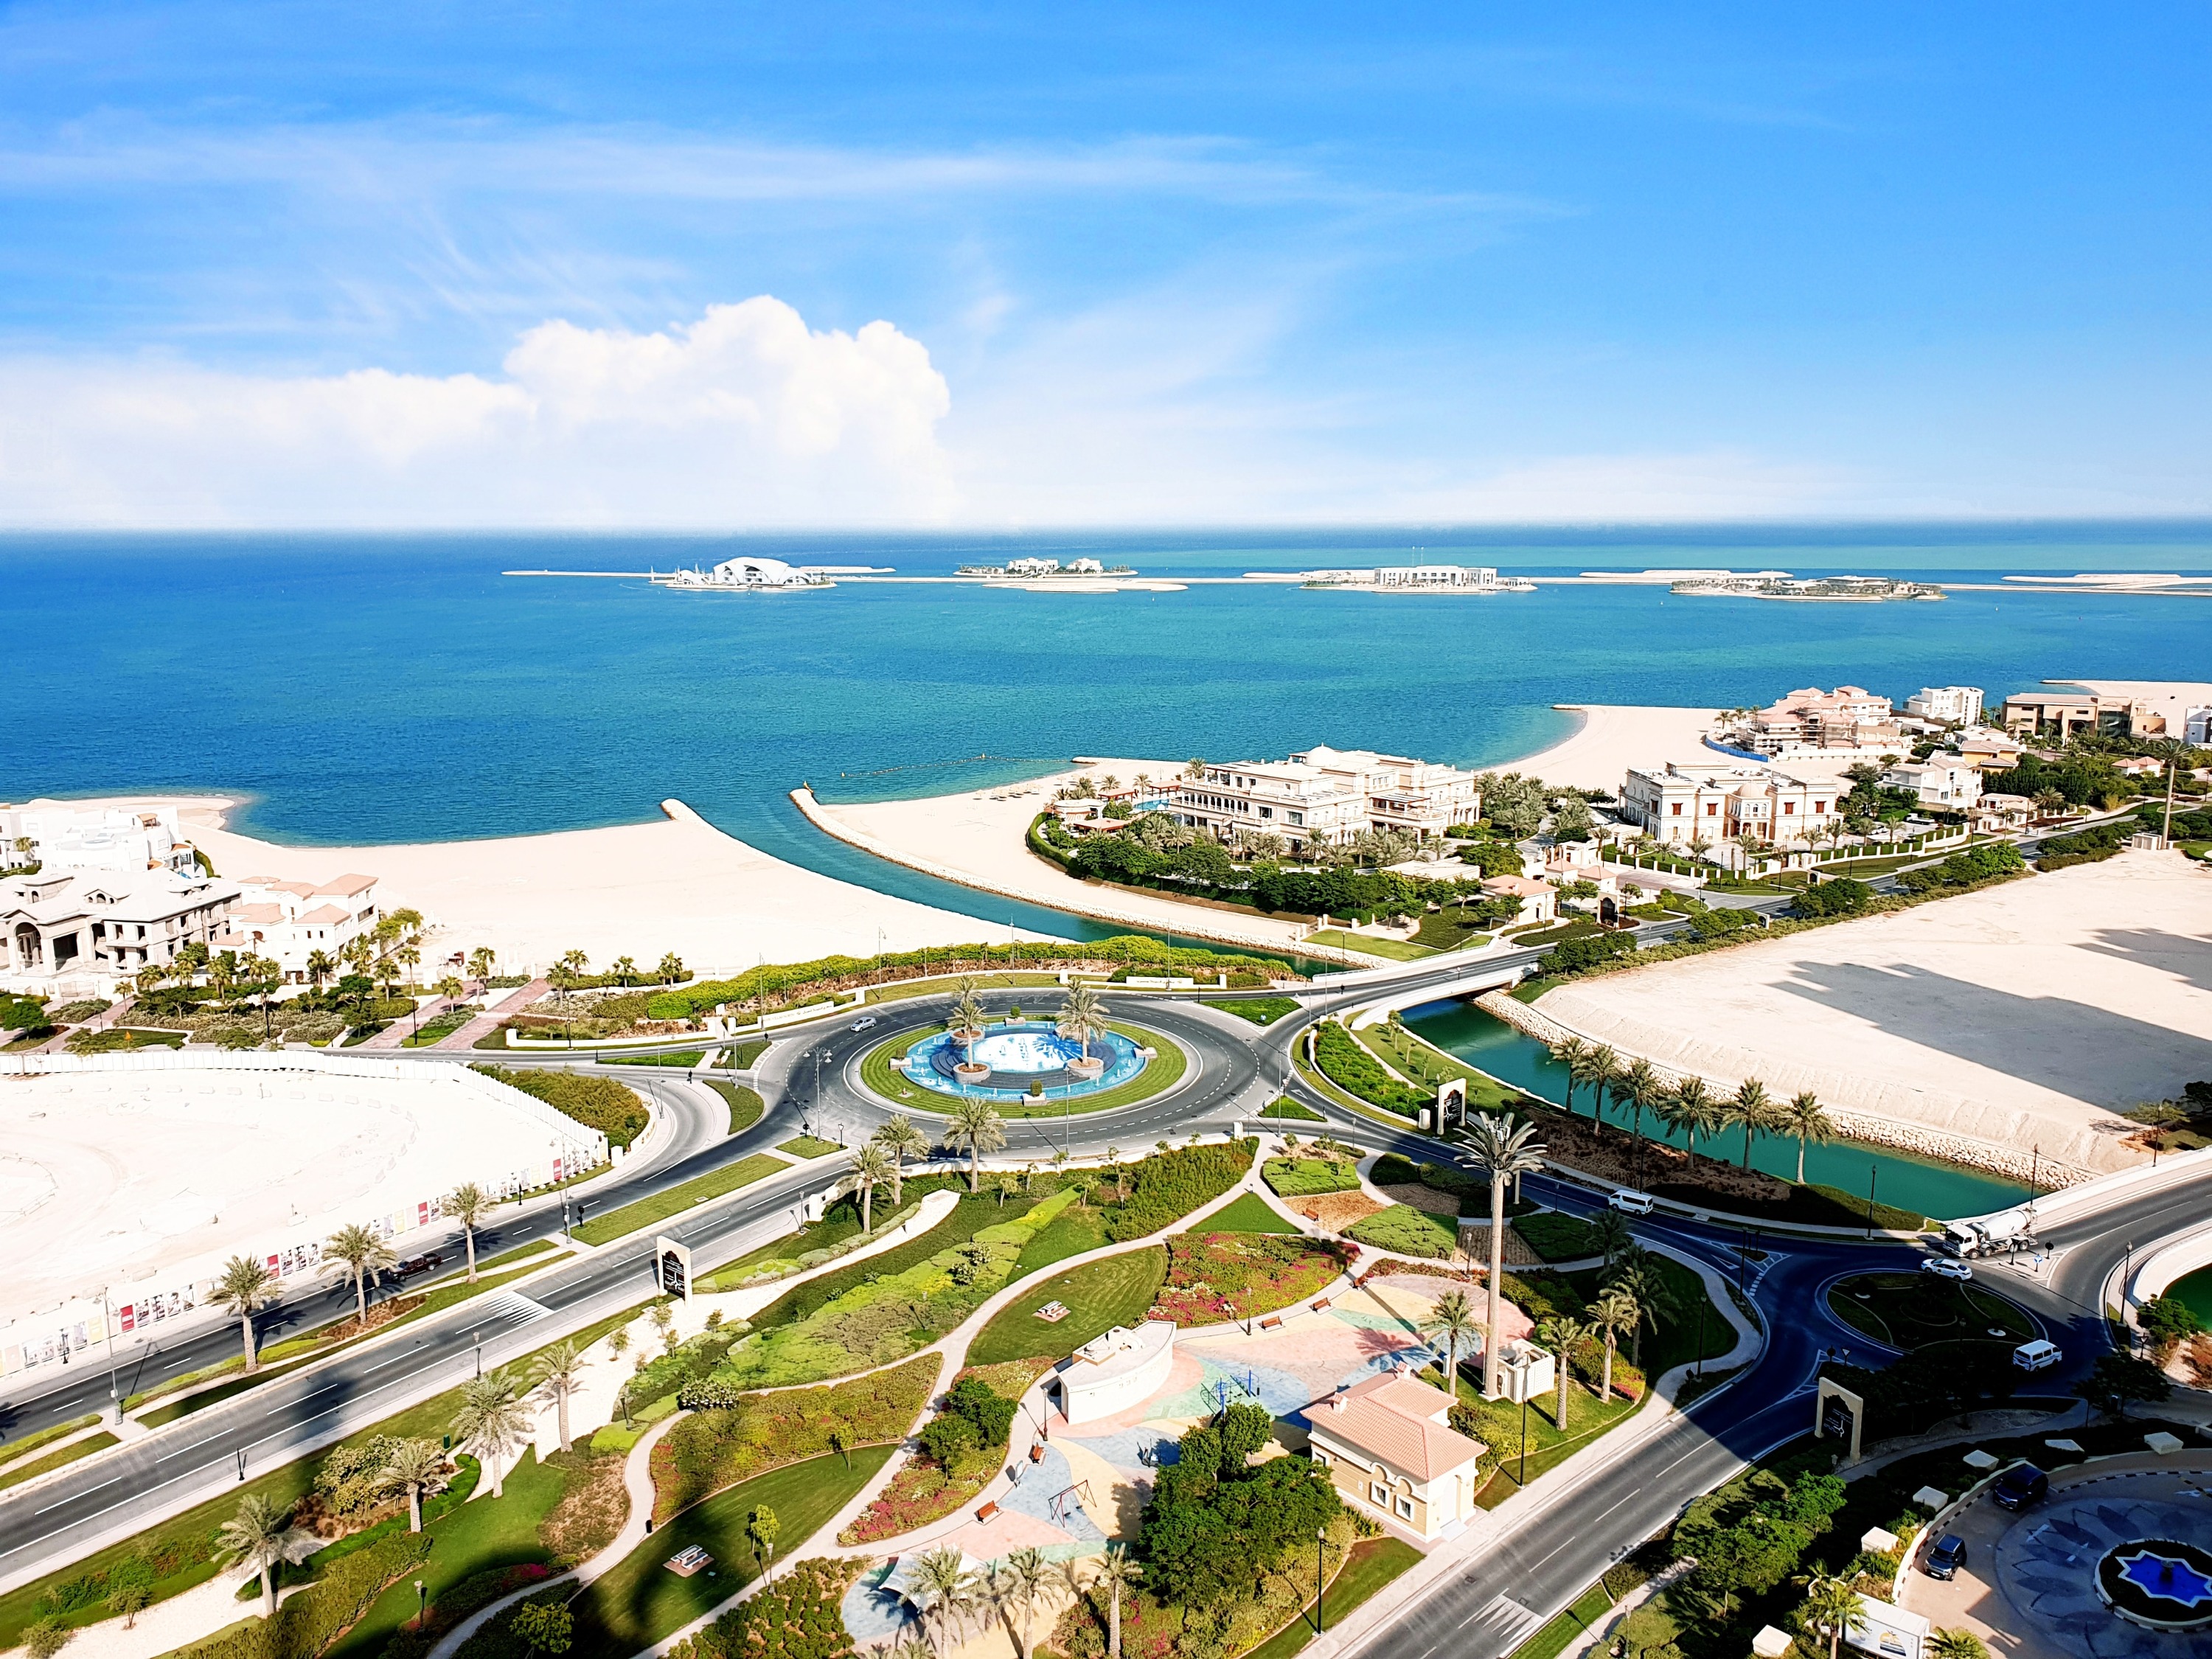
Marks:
<point>1170,1185</point>
<point>1344,1062</point>
<point>596,1103</point>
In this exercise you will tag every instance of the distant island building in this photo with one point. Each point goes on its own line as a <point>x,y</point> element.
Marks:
<point>747,575</point>
<point>1035,570</point>
<point>1858,589</point>
<point>1323,797</point>
<point>1420,579</point>
<point>2060,715</point>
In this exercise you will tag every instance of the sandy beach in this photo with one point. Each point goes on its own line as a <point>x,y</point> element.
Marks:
<point>2024,1015</point>
<point>1614,737</point>
<point>637,889</point>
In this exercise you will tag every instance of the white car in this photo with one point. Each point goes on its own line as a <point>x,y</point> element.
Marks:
<point>1944,1268</point>
<point>1629,1201</point>
<point>864,1025</point>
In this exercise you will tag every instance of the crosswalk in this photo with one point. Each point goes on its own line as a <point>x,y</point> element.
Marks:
<point>504,1310</point>
<point>1502,1625</point>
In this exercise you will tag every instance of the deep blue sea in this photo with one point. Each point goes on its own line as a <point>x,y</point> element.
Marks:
<point>382,688</point>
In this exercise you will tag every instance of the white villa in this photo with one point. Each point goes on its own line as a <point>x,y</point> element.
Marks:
<point>71,930</point>
<point>60,836</point>
<point>1389,1450</point>
<point>288,921</point>
<point>1942,779</point>
<point>1724,802</point>
<point>1956,705</point>
<point>1848,717</point>
<point>1323,796</point>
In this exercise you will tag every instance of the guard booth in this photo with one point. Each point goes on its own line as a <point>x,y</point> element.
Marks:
<point>671,1268</point>
<point>1838,1414</point>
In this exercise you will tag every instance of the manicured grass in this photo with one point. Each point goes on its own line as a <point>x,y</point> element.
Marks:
<point>31,1469</point>
<point>1371,1564</point>
<point>1287,1108</point>
<point>686,1057</point>
<point>1591,1606</point>
<point>744,1056</point>
<point>30,1443</point>
<point>1304,1177</point>
<point>1556,1237</point>
<point>1393,949</point>
<point>1248,1212</point>
<point>1261,1011</point>
<point>1427,1066</point>
<point>521,1253</point>
<point>808,1146</point>
<point>640,1601</point>
<point>1910,1311</point>
<point>1069,1233</point>
<point>631,1217</point>
<point>1407,1231</point>
<point>1099,1295</point>
<point>745,1105</point>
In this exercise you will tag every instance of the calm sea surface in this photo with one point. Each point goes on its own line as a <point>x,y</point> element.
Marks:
<point>399,689</point>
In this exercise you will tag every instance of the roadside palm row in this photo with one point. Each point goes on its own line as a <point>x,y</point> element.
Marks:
<point>1689,1106</point>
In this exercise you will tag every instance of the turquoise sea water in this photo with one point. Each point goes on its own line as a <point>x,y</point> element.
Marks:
<point>1943,1190</point>
<point>399,689</point>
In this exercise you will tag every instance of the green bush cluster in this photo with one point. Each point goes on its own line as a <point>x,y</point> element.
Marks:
<point>1170,1185</point>
<point>972,1429</point>
<point>1217,1521</point>
<point>1304,1177</point>
<point>797,1615</point>
<point>1966,869</point>
<point>1719,923</point>
<point>1749,1536</point>
<point>2091,846</point>
<point>1930,1383</point>
<point>1405,1231</point>
<point>596,1103</point>
<point>309,1622</point>
<point>1346,1064</point>
<point>2084,779</point>
<point>1843,897</point>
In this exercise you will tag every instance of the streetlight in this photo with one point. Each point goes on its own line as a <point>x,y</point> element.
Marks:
<point>1321,1572</point>
<point>1872,1171</point>
<point>108,1326</point>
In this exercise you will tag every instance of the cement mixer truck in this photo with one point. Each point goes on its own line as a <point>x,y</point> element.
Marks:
<point>2001,1234</point>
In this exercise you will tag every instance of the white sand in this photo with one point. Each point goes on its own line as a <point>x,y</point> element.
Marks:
<point>978,838</point>
<point>2022,1015</point>
<point>636,889</point>
<point>2171,698</point>
<point>1613,738</point>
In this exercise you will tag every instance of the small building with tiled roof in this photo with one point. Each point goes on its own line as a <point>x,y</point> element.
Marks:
<point>1388,1450</point>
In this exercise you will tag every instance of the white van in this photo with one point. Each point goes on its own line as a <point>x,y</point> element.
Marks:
<point>1629,1201</point>
<point>2036,1356</point>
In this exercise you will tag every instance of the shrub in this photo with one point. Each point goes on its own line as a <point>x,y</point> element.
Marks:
<point>1406,1231</point>
<point>1344,1062</point>
<point>1304,1176</point>
<point>310,1621</point>
<point>1170,1185</point>
<point>596,1103</point>
<point>1575,956</point>
<point>2090,846</point>
<point>990,1412</point>
<point>796,1615</point>
<point>1840,898</point>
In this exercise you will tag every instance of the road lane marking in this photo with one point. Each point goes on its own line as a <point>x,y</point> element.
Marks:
<point>73,1497</point>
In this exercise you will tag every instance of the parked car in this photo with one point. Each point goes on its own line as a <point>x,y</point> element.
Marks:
<point>1945,1557</point>
<point>428,1262</point>
<point>1944,1268</point>
<point>863,1024</point>
<point>1629,1201</point>
<point>2021,1484</point>
<point>2036,1356</point>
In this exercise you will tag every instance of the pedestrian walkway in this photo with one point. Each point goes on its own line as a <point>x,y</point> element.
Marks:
<point>488,1022</point>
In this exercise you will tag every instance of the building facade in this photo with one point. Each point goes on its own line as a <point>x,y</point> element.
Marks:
<point>1956,705</point>
<point>1723,803</point>
<point>1848,717</point>
<point>288,921</point>
<point>57,836</point>
<point>1942,779</point>
<point>1390,1451</point>
<point>1323,797</point>
<point>90,927</point>
<point>2057,716</point>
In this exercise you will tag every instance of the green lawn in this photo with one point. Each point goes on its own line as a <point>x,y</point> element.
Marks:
<point>1287,1108</point>
<point>1587,1609</point>
<point>640,1601</point>
<point>1304,1177</point>
<point>30,1443</point>
<point>437,1030</point>
<point>1371,1564</point>
<point>1407,1231</point>
<point>631,1218</point>
<point>1392,949</point>
<point>808,1146</point>
<point>745,1105</point>
<point>1160,1074</point>
<point>1448,930</point>
<point>1403,1052</point>
<point>1248,1212</point>
<point>1069,1233</point>
<point>1910,1311</point>
<point>1554,1236</point>
<point>686,1057</point>
<point>521,1253</point>
<point>1117,1291</point>
<point>29,1468</point>
<point>1261,1011</point>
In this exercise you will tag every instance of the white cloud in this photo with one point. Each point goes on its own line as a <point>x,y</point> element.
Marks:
<point>744,417</point>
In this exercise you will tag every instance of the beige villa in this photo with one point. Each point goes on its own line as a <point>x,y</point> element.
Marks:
<point>1322,797</point>
<point>1390,1452</point>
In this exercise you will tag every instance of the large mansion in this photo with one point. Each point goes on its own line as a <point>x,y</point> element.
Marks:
<point>1323,797</point>
<point>1729,799</point>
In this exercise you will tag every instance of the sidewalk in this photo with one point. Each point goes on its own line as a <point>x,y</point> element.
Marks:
<point>488,1022</point>
<point>392,1035</point>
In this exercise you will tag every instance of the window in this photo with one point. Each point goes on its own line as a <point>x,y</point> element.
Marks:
<point>1678,809</point>
<point>1406,1507</point>
<point>1819,806</point>
<point>1712,809</point>
<point>1789,809</point>
<point>1379,1495</point>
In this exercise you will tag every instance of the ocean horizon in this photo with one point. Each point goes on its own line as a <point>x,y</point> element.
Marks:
<point>358,690</point>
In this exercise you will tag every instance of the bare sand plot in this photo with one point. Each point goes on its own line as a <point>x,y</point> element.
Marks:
<point>2025,1016</point>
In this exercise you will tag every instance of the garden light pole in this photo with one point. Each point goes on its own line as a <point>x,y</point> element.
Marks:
<point>1320,1574</point>
<point>1524,1429</point>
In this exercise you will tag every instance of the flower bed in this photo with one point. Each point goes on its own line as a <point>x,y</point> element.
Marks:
<point>1215,1277</point>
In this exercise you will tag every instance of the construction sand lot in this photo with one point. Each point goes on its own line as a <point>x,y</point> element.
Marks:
<point>2024,1015</point>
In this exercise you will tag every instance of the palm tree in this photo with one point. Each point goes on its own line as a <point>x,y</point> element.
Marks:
<point>470,1205</point>
<point>1605,1080</point>
<point>1117,1571</point>
<point>1504,1150</point>
<point>553,1374</point>
<point>1026,1574</point>
<point>1614,1311</point>
<point>481,962</point>
<point>1807,1118</point>
<point>262,1536</point>
<point>356,1250</point>
<point>491,1422</point>
<point>320,968</point>
<point>898,1137</point>
<point>1955,1645</point>
<point>1753,1108</point>
<point>966,1023</point>
<point>1610,1232</point>
<point>1689,1107</point>
<point>945,1589</point>
<point>1832,1607</point>
<point>978,1126</point>
<point>1639,1278</point>
<point>1563,1335</point>
<point>873,1167</point>
<point>245,1288</point>
<point>1451,1317</point>
<point>1572,1053</point>
<point>1083,1016</point>
<point>1640,1085</point>
<point>417,1467</point>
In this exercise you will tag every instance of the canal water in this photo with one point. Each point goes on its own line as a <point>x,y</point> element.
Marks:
<point>2194,1291</point>
<point>1934,1188</point>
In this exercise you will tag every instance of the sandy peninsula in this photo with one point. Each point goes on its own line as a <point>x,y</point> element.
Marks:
<point>1612,738</point>
<point>2023,1017</point>
<point>637,889</point>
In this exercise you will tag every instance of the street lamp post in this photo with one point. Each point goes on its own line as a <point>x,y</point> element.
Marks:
<point>1872,1171</point>
<point>1524,1428</point>
<point>1321,1573</point>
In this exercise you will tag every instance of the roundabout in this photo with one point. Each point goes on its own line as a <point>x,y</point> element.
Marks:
<point>1024,1068</point>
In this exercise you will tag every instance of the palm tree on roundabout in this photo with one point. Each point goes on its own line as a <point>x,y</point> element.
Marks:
<point>243,1290</point>
<point>1504,1150</point>
<point>1807,1118</point>
<point>966,1022</point>
<point>898,1136</point>
<point>359,1253</point>
<point>873,1167</point>
<point>978,1126</point>
<point>261,1536</point>
<point>1083,1016</point>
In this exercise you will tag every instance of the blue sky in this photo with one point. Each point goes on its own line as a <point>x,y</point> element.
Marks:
<point>838,263</point>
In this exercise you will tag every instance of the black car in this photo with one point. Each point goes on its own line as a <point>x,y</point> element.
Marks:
<point>1945,1557</point>
<point>2018,1486</point>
